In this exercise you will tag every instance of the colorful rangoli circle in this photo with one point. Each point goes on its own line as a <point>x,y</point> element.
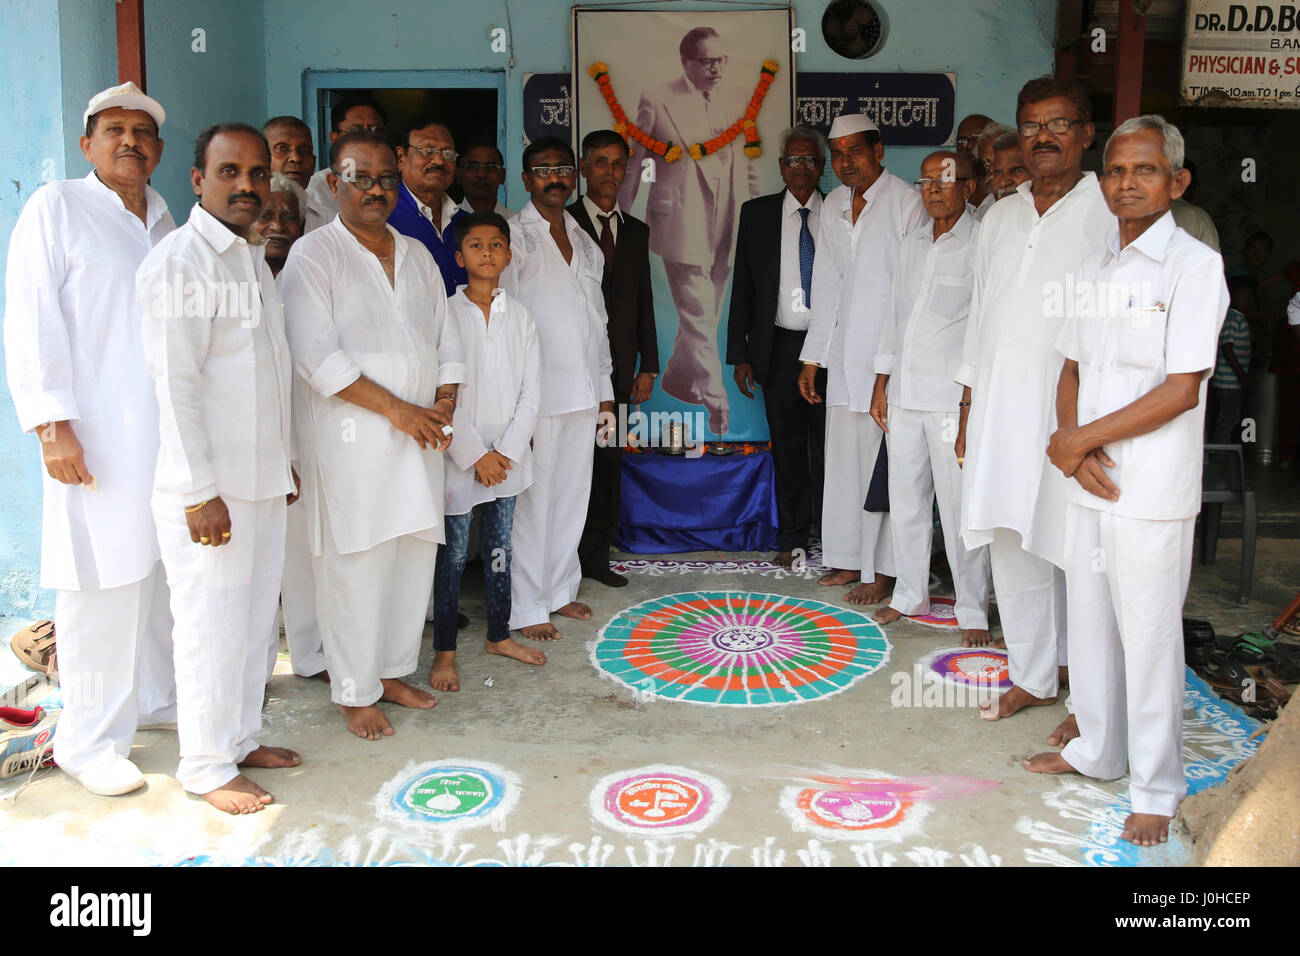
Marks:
<point>976,667</point>
<point>942,614</point>
<point>449,794</point>
<point>739,649</point>
<point>665,801</point>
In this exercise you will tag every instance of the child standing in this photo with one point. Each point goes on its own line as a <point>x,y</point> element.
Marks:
<point>489,460</point>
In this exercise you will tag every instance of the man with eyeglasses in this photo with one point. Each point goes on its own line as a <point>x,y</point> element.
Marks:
<point>293,155</point>
<point>770,309</point>
<point>1012,499</point>
<point>368,328</point>
<point>968,134</point>
<point>349,115</point>
<point>862,225</point>
<point>481,172</point>
<point>692,211</point>
<point>1008,169</point>
<point>427,161</point>
<point>556,270</point>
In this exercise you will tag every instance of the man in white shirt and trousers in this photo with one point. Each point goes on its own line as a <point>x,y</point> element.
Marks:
<point>556,271</point>
<point>861,227</point>
<point>1012,498</point>
<point>214,344</point>
<point>917,403</point>
<point>1138,346</point>
<point>78,379</point>
<point>367,319</point>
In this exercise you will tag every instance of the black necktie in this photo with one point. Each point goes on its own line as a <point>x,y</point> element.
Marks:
<point>606,240</point>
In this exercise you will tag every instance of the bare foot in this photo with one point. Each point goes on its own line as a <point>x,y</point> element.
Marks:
<point>238,795</point>
<point>1065,731</point>
<point>443,676</point>
<point>541,632</point>
<point>508,648</point>
<point>1146,829</point>
<point>323,676</point>
<point>1000,644</point>
<point>784,560</point>
<point>576,610</point>
<point>1013,700</point>
<point>1048,763</point>
<point>887,616</point>
<point>400,692</point>
<point>368,723</point>
<point>838,578</point>
<point>873,593</point>
<point>1063,676</point>
<point>974,637</point>
<point>271,758</point>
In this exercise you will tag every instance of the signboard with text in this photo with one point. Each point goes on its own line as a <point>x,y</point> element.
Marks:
<point>1241,54</point>
<point>911,109</point>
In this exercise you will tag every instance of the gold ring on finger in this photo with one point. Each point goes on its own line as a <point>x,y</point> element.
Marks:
<point>204,540</point>
<point>225,534</point>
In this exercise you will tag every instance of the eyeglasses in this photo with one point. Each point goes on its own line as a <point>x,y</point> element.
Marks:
<point>708,62</point>
<point>810,162</point>
<point>545,172</point>
<point>927,183</point>
<point>1058,125</point>
<point>477,167</point>
<point>428,152</point>
<point>386,183</point>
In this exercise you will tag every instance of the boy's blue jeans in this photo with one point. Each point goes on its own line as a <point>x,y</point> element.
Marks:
<point>497,518</point>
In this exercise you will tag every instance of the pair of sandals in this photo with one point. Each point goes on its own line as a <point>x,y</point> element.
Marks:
<point>34,646</point>
<point>1251,670</point>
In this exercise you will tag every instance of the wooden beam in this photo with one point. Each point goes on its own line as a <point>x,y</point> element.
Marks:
<point>1130,38</point>
<point>130,42</point>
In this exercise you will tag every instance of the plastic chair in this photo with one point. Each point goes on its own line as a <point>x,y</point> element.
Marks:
<point>1212,502</point>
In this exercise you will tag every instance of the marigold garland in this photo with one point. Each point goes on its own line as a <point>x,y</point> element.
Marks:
<point>671,152</point>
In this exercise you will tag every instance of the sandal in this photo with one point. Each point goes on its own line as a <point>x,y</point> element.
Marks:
<point>34,646</point>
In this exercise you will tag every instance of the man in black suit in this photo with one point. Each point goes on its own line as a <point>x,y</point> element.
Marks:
<point>626,243</point>
<point>770,297</point>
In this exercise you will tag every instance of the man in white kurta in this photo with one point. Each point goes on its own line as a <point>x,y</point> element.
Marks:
<point>1012,499</point>
<point>372,490</point>
<point>916,400</point>
<point>862,224</point>
<point>78,379</point>
<point>215,346</point>
<point>1138,346</point>
<point>563,295</point>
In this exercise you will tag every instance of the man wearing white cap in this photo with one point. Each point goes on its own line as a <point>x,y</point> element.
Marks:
<point>77,374</point>
<point>862,225</point>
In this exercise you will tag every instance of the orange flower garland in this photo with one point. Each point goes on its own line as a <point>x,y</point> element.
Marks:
<point>671,152</point>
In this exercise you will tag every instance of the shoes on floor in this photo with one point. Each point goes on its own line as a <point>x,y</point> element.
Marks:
<point>26,738</point>
<point>607,576</point>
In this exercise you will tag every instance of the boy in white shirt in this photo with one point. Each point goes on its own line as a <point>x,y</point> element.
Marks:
<point>489,460</point>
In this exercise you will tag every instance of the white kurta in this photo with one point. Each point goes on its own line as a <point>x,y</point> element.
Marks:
<point>321,204</point>
<point>852,280</point>
<point>496,408</point>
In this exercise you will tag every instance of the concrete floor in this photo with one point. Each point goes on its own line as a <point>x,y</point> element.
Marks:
<point>542,739</point>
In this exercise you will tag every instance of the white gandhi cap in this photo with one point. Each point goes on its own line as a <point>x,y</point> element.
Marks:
<point>128,96</point>
<point>846,124</point>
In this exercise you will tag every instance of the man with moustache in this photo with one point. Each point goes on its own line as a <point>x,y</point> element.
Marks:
<point>367,322</point>
<point>481,172</point>
<point>424,211</point>
<point>625,243</point>
<point>78,378</point>
<point>770,300</point>
<point>1012,499</point>
<point>281,223</point>
<point>1008,169</point>
<point>351,114</point>
<point>293,155</point>
<point>221,369</point>
<point>862,225</point>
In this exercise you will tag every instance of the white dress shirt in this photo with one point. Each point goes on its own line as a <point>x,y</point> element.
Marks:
<point>496,409</point>
<point>363,481</point>
<point>500,210</point>
<point>787,316</point>
<point>447,210</point>
<point>568,309</point>
<point>853,277</point>
<point>1023,264</point>
<point>985,205</point>
<point>920,348</point>
<point>321,205</point>
<point>595,212</point>
<point>215,345</point>
<point>1141,313</point>
<point>73,353</point>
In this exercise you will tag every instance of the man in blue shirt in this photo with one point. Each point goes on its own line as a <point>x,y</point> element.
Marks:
<point>426,158</point>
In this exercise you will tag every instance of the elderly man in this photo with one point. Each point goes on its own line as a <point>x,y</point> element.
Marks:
<point>625,244</point>
<point>983,163</point>
<point>916,399</point>
<point>293,155</point>
<point>862,225</point>
<point>424,211</point>
<point>1138,346</point>
<point>481,172</point>
<point>214,343</point>
<point>281,223</point>
<point>351,114</point>
<point>1007,170</point>
<point>78,378</point>
<point>1012,499</point>
<point>768,322</point>
<point>692,212</point>
<point>556,271</point>
<point>968,134</point>
<point>368,327</point>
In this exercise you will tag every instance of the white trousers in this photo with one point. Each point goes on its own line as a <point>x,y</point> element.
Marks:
<point>923,469</point>
<point>223,602</point>
<point>1031,605</point>
<point>105,636</point>
<point>298,601</point>
<point>1127,580</point>
<point>549,516</point>
<point>853,539</point>
<point>371,607</point>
